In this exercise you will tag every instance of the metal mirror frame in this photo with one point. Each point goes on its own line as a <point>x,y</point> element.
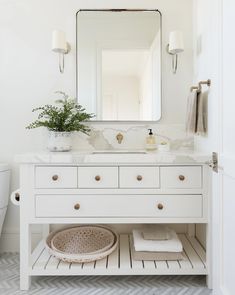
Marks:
<point>120,10</point>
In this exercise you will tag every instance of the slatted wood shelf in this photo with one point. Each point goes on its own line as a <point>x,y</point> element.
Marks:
<point>120,262</point>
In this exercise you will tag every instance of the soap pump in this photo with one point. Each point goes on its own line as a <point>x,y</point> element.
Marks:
<point>150,141</point>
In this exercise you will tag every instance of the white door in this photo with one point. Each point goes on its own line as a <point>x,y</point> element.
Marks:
<point>224,182</point>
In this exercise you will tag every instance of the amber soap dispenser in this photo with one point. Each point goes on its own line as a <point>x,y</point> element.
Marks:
<point>151,141</point>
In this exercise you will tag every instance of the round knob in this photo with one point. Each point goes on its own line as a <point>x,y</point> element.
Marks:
<point>55,177</point>
<point>77,206</point>
<point>97,178</point>
<point>139,177</point>
<point>160,206</point>
<point>181,177</point>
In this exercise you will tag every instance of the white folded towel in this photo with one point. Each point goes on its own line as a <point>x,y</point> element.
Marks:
<point>156,232</point>
<point>171,245</point>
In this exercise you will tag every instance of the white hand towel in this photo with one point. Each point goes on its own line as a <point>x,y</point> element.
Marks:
<point>202,113</point>
<point>191,115</point>
<point>171,245</point>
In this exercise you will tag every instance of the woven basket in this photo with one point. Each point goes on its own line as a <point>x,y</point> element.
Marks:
<point>72,244</point>
<point>84,240</point>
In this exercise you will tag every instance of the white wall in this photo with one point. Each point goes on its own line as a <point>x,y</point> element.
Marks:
<point>206,65</point>
<point>29,72</point>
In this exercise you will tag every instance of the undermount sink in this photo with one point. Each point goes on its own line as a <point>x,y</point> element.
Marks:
<point>119,152</point>
<point>120,156</point>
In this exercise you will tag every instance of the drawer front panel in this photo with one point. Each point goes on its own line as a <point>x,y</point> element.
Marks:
<point>139,177</point>
<point>181,177</point>
<point>187,206</point>
<point>98,177</point>
<point>56,177</point>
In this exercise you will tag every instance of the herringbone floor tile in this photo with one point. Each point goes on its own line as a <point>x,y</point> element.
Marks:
<point>100,285</point>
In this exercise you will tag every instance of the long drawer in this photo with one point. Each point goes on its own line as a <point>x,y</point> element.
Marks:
<point>187,206</point>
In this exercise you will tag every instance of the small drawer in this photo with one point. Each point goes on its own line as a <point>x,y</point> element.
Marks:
<point>181,177</point>
<point>164,206</point>
<point>98,177</point>
<point>56,177</point>
<point>139,177</point>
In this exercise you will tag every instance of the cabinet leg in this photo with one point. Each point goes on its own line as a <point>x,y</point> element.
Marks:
<point>25,282</point>
<point>209,278</point>
<point>209,281</point>
<point>25,254</point>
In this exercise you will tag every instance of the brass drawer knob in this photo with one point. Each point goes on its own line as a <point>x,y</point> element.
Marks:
<point>97,178</point>
<point>181,177</point>
<point>77,206</point>
<point>160,206</point>
<point>55,177</point>
<point>139,177</point>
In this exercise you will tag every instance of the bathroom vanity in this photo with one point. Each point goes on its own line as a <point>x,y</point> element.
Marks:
<point>114,188</point>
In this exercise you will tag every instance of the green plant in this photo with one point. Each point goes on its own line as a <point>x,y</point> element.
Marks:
<point>67,117</point>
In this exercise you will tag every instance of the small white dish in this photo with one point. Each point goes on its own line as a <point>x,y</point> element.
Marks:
<point>164,147</point>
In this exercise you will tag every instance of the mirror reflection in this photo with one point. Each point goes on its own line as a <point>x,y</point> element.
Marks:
<point>119,64</point>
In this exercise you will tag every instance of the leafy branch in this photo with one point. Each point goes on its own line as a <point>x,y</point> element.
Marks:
<point>66,117</point>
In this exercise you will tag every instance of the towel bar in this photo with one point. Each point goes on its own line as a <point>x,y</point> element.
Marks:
<point>199,87</point>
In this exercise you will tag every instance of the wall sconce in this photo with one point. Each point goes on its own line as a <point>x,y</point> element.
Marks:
<point>175,46</point>
<point>60,46</point>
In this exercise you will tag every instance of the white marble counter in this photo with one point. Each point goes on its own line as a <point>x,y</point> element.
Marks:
<point>114,157</point>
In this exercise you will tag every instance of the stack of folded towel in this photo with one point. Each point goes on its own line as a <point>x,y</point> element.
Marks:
<point>156,242</point>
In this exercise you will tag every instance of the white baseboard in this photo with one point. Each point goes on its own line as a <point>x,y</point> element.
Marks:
<point>10,242</point>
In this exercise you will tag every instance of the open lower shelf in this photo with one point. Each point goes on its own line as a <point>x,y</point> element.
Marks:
<point>120,262</point>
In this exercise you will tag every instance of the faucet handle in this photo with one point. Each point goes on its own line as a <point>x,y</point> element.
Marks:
<point>119,137</point>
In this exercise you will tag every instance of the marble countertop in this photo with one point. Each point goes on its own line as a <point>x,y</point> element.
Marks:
<point>114,157</point>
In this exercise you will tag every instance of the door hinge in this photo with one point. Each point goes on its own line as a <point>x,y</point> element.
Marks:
<point>213,163</point>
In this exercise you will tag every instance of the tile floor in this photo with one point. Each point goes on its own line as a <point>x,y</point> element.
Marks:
<point>105,285</point>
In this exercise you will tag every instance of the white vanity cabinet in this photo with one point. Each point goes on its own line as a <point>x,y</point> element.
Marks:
<point>54,193</point>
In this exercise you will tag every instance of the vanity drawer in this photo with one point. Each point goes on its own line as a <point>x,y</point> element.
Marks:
<point>98,177</point>
<point>56,177</point>
<point>181,177</point>
<point>171,206</point>
<point>139,177</point>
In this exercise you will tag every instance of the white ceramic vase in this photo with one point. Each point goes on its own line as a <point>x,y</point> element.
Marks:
<point>59,141</point>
